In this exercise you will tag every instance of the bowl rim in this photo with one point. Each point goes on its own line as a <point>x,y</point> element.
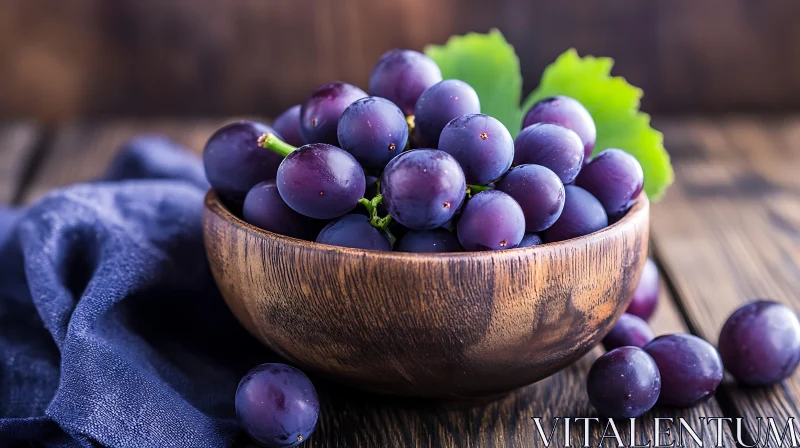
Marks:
<point>214,205</point>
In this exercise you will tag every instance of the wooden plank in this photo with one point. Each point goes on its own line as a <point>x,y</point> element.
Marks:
<point>193,57</point>
<point>17,146</point>
<point>728,233</point>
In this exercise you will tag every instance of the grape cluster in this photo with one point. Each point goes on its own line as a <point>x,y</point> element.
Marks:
<point>759,345</point>
<point>414,166</point>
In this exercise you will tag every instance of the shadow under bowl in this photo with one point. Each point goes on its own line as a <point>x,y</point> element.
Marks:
<point>456,325</point>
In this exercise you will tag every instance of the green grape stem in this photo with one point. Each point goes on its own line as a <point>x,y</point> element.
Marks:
<point>372,208</point>
<point>390,235</point>
<point>381,223</point>
<point>472,190</point>
<point>273,143</point>
<point>475,189</point>
<point>412,126</point>
<point>367,205</point>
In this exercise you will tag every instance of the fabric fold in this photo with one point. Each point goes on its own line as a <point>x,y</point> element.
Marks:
<point>112,331</point>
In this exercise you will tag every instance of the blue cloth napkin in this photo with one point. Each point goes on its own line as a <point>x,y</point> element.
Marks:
<point>112,332</point>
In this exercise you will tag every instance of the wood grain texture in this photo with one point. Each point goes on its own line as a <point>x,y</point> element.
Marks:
<point>205,57</point>
<point>353,419</point>
<point>443,325</point>
<point>728,233</point>
<point>17,146</point>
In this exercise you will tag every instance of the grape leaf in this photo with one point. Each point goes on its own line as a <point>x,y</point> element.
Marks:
<point>614,105</point>
<point>490,65</point>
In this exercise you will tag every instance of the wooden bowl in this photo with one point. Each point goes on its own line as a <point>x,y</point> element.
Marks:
<point>429,325</point>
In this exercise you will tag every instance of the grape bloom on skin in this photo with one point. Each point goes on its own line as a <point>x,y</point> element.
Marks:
<point>538,191</point>
<point>416,167</point>
<point>645,297</point>
<point>234,161</point>
<point>629,330</point>
<point>481,145</point>
<point>624,383</point>
<point>263,207</point>
<point>582,214</point>
<point>354,231</point>
<point>569,113</point>
<point>374,131</point>
<point>277,405</point>
<point>423,188</point>
<point>287,125</point>
<point>691,368</point>
<point>615,178</point>
<point>428,241</point>
<point>320,113</point>
<point>551,146</point>
<point>491,220</point>
<point>440,104</point>
<point>401,76</point>
<point>760,343</point>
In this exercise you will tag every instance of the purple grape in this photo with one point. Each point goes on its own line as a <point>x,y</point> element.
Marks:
<point>401,76</point>
<point>491,220</point>
<point>691,369</point>
<point>440,104</point>
<point>567,112</point>
<point>530,240</point>
<point>264,208</point>
<point>623,383</point>
<point>582,214</point>
<point>277,405</point>
<point>321,181</point>
<point>354,231</point>
<point>428,241</point>
<point>550,145</point>
<point>287,125</point>
<point>538,191</point>
<point>234,161</point>
<point>319,115</point>
<point>615,178</point>
<point>760,343</point>
<point>423,188</point>
<point>629,330</point>
<point>482,146</point>
<point>374,131</point>
<point>645,297</point>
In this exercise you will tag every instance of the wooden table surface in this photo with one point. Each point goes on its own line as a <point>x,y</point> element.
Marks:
<point>726,233</point>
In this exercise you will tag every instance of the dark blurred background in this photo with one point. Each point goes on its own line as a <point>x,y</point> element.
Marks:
<point>61,59</point>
